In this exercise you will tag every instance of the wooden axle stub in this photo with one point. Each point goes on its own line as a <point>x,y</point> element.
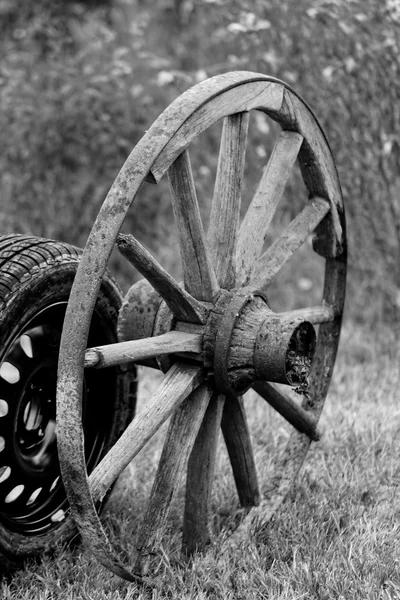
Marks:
<point>284,349</point>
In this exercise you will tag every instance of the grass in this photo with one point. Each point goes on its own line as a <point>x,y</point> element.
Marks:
<point>336,537</point>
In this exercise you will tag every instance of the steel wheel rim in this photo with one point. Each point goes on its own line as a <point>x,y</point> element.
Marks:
<point>32,497</point>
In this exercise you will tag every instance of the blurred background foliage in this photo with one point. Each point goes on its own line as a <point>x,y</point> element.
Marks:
<point>81,82</point>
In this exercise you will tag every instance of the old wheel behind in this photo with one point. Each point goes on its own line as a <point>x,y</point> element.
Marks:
<point>218,335</point>
<point>35,280</point>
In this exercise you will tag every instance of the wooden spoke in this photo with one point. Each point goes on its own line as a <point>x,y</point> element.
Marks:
<point>172,342</point>
<point>286,245</point>
<point>237,439</point>
<point>265,201</point>
<point>198,273</point>
<point>224,219</point>
<point>177,384</point>
<point>182,304</point>
<point>181,434</point>
<point>200,473</point>
<point>301,420</point>
<point>313,314</point>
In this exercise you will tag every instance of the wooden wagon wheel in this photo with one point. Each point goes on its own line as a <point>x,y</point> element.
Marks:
<point>220,319</point>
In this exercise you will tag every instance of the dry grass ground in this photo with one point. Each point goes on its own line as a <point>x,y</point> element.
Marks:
<point>336,537</point>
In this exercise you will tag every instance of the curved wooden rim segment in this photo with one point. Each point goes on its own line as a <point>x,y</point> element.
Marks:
<point>170,135</point>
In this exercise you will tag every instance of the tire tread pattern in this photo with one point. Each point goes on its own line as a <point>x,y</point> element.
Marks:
<point>23,257</point>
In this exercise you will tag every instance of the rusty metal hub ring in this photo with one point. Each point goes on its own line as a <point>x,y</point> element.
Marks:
<point>223,339</point>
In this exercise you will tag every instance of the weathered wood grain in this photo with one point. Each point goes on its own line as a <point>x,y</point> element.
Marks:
<point>198,272</point>
<point>271,262</point>
<point>200,474</point>
<point>178,443</point>
<point>225,209</point>
<point>263,205</point>
<point>137,316</point>
<point>238,443</point>
<point>313,314</point>
<point>182,304</point>
<point>121,353</point>
<point>138,311</point>
<point>222,238</point>
<point>176,386</point>
<point>301,420</point>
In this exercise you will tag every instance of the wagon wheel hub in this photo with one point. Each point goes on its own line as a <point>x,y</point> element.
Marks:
<point>245,341</point>
<point>242,341</point>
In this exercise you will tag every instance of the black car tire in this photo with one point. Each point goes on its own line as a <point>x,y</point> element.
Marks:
<point>36,276</point>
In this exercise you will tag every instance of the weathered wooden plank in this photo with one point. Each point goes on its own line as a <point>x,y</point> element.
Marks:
<point>313,314</point>
<point>124,352</point>
<point>301,420</point>
<point>181,434</point>
<point>177,384</point>
<point>257,93</point>
<point>237,439</point>
<point>182,304</point>
<point>263,206</point>
<point>198,273</point>
<point>290,240</point>
<point>200,474</point>
<point>224,218</point>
